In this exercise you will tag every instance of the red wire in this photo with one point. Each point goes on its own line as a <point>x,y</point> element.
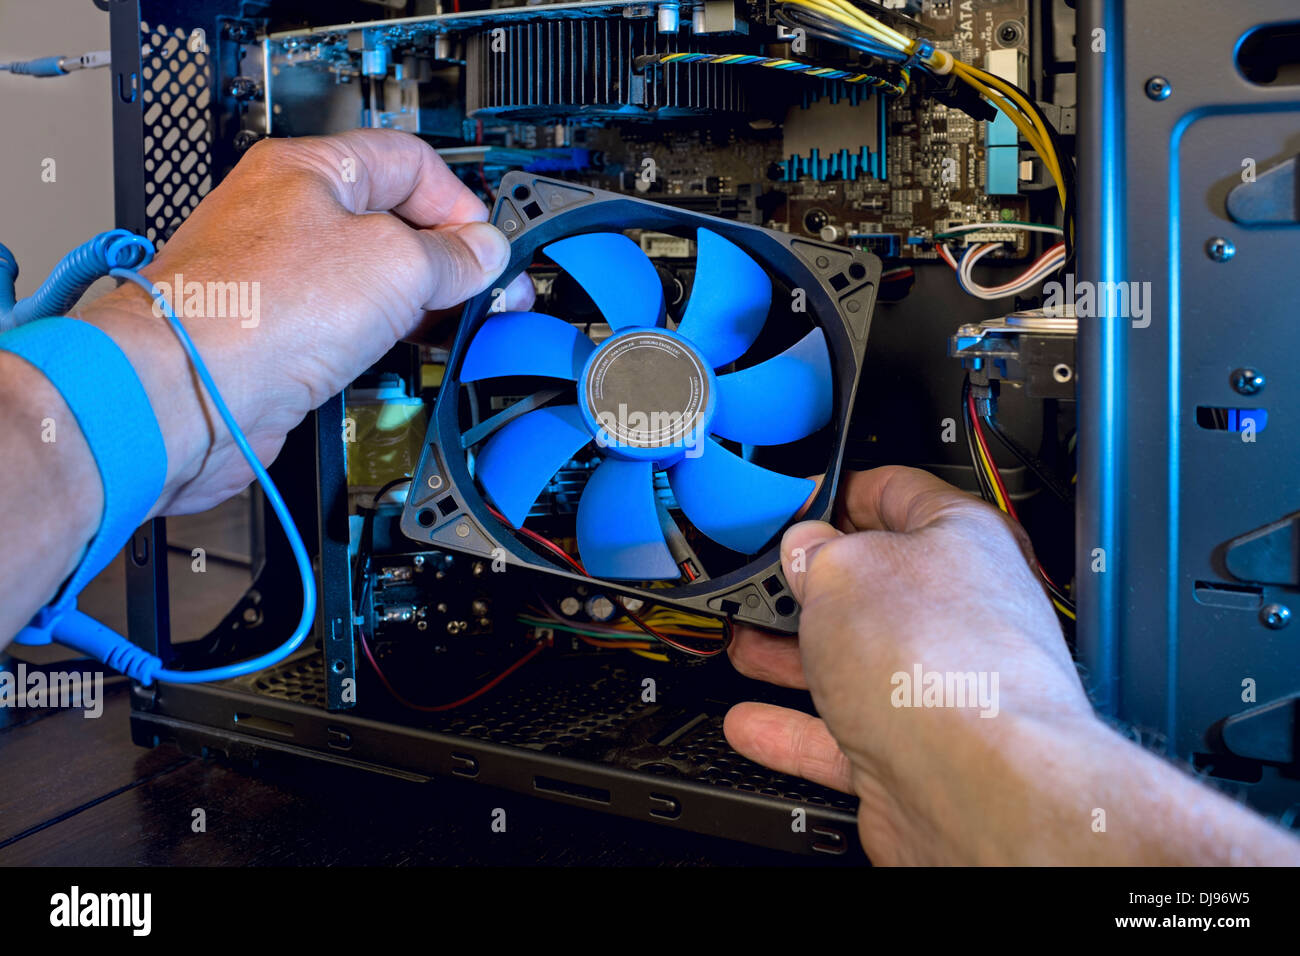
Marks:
<point>997,476</point>
<point>551,545</point>
<point>434,708</point>
<point>542,540</point>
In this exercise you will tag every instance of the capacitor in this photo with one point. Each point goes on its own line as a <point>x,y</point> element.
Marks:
<point>570,606</point>
<point>401,574</point>
<point>374,62</point>
<point>831,232</point>
<point>670,20</point>
<point>600,608</point>
<point>398,614</point>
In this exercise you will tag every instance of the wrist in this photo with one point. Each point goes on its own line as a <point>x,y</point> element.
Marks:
<point>159,361</point>
<point>51,483</point>
<point>1009,790</point>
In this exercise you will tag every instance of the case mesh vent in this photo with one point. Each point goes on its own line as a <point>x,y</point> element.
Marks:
<point>175,96</point>
<point>599,719</point>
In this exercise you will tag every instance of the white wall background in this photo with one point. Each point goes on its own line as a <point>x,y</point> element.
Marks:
<point>65,118</point>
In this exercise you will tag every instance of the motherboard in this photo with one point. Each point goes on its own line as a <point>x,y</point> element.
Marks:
<point>557,89</point>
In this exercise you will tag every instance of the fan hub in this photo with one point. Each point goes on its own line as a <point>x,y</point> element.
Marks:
<point>647,395</point>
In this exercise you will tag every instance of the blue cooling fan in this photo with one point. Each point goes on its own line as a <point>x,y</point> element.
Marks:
<point>648,398</point>
<point>653,396</point>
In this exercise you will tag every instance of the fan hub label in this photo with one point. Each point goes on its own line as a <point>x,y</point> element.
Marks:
<point>647,389</point>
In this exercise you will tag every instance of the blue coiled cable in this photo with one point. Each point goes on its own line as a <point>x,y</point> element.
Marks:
<point>75,273</point>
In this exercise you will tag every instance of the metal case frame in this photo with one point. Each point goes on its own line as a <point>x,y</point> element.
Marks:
<point>1167,119</point>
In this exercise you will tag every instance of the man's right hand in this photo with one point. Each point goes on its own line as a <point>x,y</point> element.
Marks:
<point>921,575</point>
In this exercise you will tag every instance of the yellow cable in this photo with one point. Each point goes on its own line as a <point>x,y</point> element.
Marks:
<point>989,476</point>
<point>1064,610</point>
<point>1026,128</point>
<point>663,658</point>
<point>1021,113</point>
<point>1013,104</point>
<point>844,13</point>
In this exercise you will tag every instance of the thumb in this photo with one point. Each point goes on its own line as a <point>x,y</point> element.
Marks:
<point>463,261</point>
<point>798,546</point>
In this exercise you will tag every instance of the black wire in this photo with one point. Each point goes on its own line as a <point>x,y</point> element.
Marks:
<point>1068,179</point>
<point>1040,468</point>
<point>365,541</point>
<point>981,479</point>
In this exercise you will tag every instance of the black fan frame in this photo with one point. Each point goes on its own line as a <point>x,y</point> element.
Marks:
<point>445,509</point>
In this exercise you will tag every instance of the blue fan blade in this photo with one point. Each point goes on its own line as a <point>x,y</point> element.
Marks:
<point>517,462</point>
<point>618,524</point>
<point>616,274</point>
<point>781,400</point>
<point>525,343</point>
<point>729,300</point>
<point>736,503</point>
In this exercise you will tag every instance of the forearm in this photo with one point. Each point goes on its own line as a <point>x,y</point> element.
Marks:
<point>1038,793</point>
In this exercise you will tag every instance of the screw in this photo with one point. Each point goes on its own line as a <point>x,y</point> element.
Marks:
<point>245,138</point>
<point>1275,616</point>
<point>1062,373</point>
<point>1247,381</point>
<point>239,32</point>
<point>241,87</point>
<point>1158,88</point>
<point>462,530</point>
<point>1009,33</point>
<point>1220,249</point>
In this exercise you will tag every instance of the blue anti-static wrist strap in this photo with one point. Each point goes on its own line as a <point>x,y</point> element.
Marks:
<point>104,393</point>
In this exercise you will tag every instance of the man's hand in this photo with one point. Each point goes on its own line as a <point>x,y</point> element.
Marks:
<point>335,247</point>
<point>346,244</point>
<point>919,574</point>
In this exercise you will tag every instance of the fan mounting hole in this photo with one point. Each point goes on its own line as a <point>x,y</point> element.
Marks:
<point>785,605</point>
<point>521,193</point>
<point>425,518</point>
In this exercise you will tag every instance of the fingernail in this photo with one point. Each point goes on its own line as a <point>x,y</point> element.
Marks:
<point>490,247</point>
<point>797,547</point>
<point>521,293</point>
